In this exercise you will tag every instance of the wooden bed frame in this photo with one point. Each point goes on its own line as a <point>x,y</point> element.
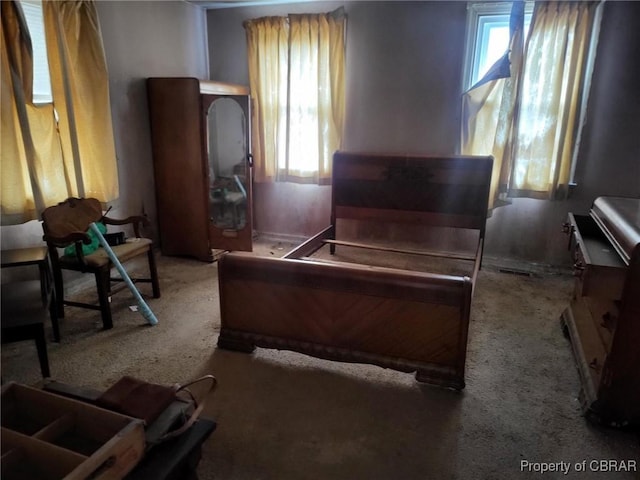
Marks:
<point>392,317</point>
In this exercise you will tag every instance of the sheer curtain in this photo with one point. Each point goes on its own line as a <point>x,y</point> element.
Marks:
<point>537,129</point>
<point>53,151</point>
<point>296,72</point>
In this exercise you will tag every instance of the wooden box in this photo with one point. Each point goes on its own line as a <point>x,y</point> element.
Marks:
<point>47,436</point>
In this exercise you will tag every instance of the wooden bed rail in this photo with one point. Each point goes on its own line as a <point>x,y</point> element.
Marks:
<point>369,246</point>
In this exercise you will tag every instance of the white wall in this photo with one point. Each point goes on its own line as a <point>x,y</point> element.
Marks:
<point>145,39</point>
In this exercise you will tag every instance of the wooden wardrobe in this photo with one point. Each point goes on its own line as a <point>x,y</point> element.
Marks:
<point>200,133</point>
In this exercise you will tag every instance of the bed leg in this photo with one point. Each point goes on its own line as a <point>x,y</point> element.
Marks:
<point>231,343</point>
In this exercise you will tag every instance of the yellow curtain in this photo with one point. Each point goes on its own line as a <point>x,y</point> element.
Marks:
<point>488,110</point>
<point>268,59</point>
<point>529,121</point>
<point>551,93</point>
<point>52,151</point>
<point>80,87</point>
<point>23,158</point>
<point>296,72</point>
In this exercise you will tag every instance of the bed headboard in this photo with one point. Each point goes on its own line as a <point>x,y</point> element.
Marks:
<point>444,191</point>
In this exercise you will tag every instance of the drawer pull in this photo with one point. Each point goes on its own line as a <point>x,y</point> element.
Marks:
<point>594,364</point>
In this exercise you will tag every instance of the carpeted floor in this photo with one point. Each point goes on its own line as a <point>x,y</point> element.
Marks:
<point>283,415</point>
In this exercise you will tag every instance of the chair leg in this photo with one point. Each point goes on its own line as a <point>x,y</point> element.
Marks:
<point>153,273</point>
<point>41,347</point>
<point>235,216</point>
<point>53,314</point>
<point>58,287</point>
<point>103,284</point>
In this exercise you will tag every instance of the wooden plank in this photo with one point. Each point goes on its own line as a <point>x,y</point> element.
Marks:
<point>56,428</point>
<point>460,199</point>
<point>312,244</point>
<point>604,313</point>
<point>444,173</point>
<point>367,280</point>
<point>588,349</point>
<point>445,185</point>
<point>221,88</point>
<point>75,440</point>
<point>117,457</point>
<point>410,217</point>
<point>458,256</point>
<point>55,461</point>
<point>179,162</point>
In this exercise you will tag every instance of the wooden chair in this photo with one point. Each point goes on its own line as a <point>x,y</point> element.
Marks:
<point>235,199</point>
<point>67,224</point>
<point>24,311</point>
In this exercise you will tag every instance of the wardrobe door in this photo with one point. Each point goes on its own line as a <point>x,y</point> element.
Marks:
<point>227,143</point>
<point>180,166</point>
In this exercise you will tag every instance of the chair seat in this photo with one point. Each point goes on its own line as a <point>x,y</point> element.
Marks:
<point>22,304</point>
<point>234,197</point>
<point>23,316</point>
<point>130,249</point>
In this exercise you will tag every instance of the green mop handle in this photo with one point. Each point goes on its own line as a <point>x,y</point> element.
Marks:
<point>144,308</point>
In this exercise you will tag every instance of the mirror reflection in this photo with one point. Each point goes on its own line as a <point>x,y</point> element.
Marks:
<point>228,174</point>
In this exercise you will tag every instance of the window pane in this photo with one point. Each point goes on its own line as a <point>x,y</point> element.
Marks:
<point>41,81</point>
<point>493,42</point>
<point>489,36</point>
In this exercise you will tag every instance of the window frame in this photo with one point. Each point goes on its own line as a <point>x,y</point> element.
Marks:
<point>476,11</point>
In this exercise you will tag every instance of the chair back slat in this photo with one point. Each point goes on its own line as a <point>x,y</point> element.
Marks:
<point>74,215</point>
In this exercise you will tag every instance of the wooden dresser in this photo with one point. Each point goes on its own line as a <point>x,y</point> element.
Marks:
<point>603,318</point>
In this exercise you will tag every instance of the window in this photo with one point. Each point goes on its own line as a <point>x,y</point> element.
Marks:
<point>488,37</point>
<point>296,74</point>
<point>32,10</point>
<point>49,154</point>
<point>528,110</point>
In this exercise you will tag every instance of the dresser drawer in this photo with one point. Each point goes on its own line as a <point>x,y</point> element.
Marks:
<point>599,270</point>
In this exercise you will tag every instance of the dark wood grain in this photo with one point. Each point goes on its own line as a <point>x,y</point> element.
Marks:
<point>413,321</point>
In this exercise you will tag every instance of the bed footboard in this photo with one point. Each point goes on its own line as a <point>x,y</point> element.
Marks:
<point>398,319</point>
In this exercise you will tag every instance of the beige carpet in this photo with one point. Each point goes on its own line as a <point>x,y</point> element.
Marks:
<point>283,415</point>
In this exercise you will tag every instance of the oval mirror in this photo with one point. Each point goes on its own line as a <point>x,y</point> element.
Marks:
<point>226,129</point>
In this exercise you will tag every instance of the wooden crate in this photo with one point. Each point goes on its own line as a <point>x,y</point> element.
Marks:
<point>47,436</point>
